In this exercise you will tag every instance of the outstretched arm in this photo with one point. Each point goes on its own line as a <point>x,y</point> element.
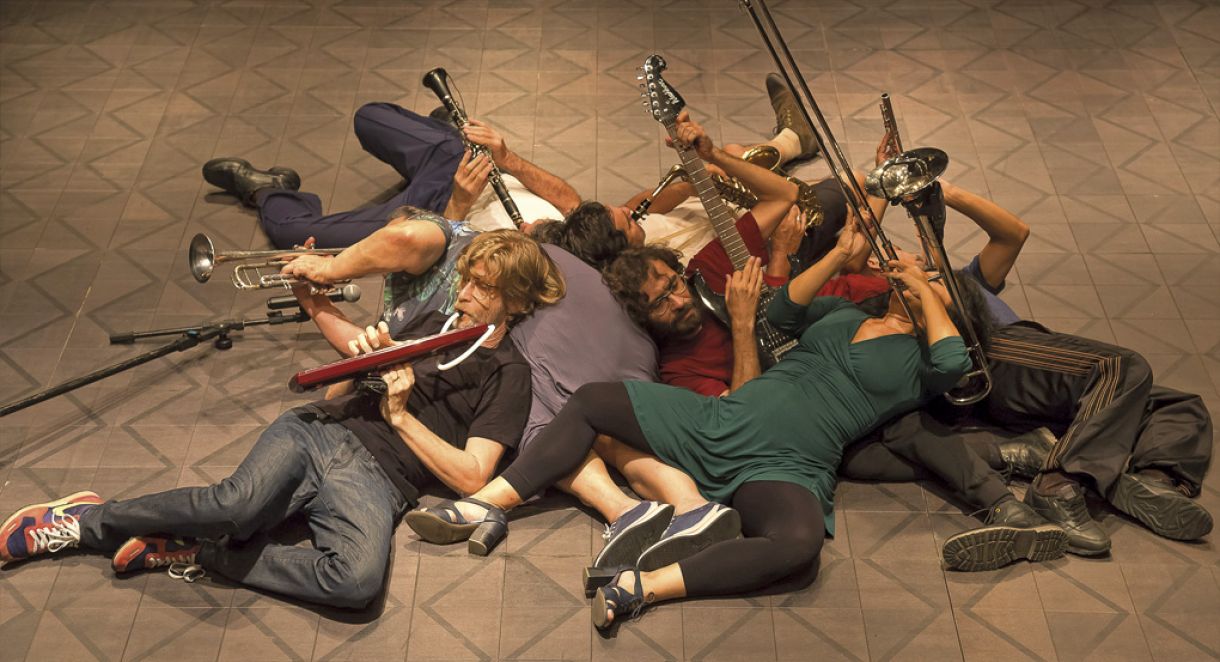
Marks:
<point>542,183</point>
<point>403,244</point>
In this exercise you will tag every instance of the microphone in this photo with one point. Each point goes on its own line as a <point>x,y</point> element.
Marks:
<point>349,293</point>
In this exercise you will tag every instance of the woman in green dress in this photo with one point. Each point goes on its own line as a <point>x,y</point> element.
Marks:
<point>770,448</point>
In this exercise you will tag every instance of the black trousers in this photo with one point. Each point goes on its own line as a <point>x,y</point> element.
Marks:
<point>920,446</point>
<point>1101,402</point>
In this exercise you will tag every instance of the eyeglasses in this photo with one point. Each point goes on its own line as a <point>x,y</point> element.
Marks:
<point>480,291</point>
<point>664,301</point>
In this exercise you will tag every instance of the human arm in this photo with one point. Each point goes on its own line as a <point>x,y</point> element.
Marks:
<point>469,180</point>
<point>404,244</point>
<point>338,330</point>
<point>741,298</point>
<point>784,242</point>
<point>542,183</point>
<point>775,194</point>
<point>1006,234</point>
<point>803,288</point>
<point>936,323</point>
<point>464,471</point>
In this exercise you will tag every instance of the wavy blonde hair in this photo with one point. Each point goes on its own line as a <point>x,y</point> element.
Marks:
<point>517,266</point>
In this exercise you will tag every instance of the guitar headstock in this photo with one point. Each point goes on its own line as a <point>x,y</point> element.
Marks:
<point>660,99</point>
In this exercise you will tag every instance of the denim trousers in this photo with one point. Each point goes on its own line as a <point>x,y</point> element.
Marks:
<point>300,463</point>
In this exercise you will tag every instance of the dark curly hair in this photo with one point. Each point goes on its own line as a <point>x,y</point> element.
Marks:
<point>588,232</point>
<point>625,277</point>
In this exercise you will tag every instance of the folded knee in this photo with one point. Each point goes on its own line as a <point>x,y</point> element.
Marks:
<point>352,584</point>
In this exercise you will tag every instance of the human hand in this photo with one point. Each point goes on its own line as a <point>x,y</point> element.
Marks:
<point>852,241</point>
<point>741,293</point>
<point>888,148</point>
<point>481,134</point>
<point>469,181</point>
<point>313,268</point>
<point>788,235</point>
<point>909,274</point>
<point>372,338</point>
<point>399,380</point>
<point>691,133</point>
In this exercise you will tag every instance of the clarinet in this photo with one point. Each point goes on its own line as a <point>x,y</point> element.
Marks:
<point>435,80</point>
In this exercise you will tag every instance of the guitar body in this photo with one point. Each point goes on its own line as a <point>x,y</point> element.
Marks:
<point>664,103</point>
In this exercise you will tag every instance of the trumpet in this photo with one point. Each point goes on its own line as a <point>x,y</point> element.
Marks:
<point>908,179</point>
<point>203,258</point>
<point>437,81</point>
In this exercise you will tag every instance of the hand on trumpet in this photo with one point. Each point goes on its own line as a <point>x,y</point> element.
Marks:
<point>398,380</point>
<point>690,133</point>
<point>372,338</point>
<point>481,134</point>
<point>313,268</point>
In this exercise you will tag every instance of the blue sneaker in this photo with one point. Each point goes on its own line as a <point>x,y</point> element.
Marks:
<point>45,528</point>
<point>690,533</point>
<point>636,530</point>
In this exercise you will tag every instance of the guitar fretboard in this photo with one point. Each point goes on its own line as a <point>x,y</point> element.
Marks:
<point>723,220</point>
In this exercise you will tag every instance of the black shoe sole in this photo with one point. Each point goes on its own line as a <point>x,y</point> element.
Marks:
<point>992,547</point>
<point>628,545</point>
<point>436,530</point>
<point>1172,516</point>
<point>726,526</point>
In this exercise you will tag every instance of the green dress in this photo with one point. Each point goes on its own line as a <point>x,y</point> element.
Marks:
<point>791,423</point>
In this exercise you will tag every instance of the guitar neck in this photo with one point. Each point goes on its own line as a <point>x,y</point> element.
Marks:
<point>724,222</point>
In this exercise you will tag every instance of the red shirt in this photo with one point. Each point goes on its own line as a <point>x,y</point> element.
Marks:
<point>704,363</point>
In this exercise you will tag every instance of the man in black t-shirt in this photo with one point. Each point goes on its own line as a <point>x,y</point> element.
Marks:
<point>353,465</point>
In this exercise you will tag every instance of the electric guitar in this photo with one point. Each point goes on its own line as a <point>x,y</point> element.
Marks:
<point>664,102</point>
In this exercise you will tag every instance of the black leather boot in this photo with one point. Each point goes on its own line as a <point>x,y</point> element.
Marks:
<point>1024,456</point>
<point>1012,531</point>
<point>1161,507</point>
<point>240,179</point>
<point>1065,506</point>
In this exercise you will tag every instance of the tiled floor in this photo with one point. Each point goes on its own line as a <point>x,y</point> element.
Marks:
<point>1095,120</point>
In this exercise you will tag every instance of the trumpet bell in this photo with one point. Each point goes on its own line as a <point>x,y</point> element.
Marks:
<point>202,257</point>
<point>907,174</point>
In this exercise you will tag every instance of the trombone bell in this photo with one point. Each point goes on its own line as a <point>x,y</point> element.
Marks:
<point>202,257</point>
<point>906,174</point>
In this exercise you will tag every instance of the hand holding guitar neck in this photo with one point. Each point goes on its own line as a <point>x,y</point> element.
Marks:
<point>691,134</point>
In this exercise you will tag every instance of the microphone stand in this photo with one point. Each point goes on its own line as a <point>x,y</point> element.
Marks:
<point>220,333</point>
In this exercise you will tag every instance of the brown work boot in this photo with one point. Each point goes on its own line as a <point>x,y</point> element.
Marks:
<point>787,116</point>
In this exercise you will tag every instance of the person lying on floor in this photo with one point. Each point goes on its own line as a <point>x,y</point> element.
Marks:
<point>770,448</point>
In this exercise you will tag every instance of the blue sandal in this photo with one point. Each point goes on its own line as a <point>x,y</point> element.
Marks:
<point>618,600</point>
<point>443,524</point>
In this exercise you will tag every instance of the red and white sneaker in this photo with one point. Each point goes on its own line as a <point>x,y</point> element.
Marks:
<point>147,552</point>
<point>45,528</point>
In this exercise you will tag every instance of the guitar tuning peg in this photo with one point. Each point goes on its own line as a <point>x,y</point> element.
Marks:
<point>639,78</point>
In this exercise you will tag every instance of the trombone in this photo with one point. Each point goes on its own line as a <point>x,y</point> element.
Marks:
<point>203,258</point>
<point>909,176</point>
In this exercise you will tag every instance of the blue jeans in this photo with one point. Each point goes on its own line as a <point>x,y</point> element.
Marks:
<point>300,464</point>
<point>424,151</point>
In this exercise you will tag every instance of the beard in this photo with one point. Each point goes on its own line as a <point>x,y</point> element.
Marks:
<point>686,323</point>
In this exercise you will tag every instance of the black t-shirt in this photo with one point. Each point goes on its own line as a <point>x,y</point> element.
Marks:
<point>487,395</point>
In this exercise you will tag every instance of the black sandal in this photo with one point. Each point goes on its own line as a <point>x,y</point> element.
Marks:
<point>444,524</point>
<point>616,599</point>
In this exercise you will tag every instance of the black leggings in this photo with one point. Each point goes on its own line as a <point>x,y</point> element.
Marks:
<point>784,530</point>
<point>602,408</point>
<point>782,522</point>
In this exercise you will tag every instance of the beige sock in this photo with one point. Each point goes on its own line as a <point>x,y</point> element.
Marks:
<point>788,144</point>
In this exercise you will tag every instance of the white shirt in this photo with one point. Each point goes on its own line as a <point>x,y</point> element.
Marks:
<point>488,214</point>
